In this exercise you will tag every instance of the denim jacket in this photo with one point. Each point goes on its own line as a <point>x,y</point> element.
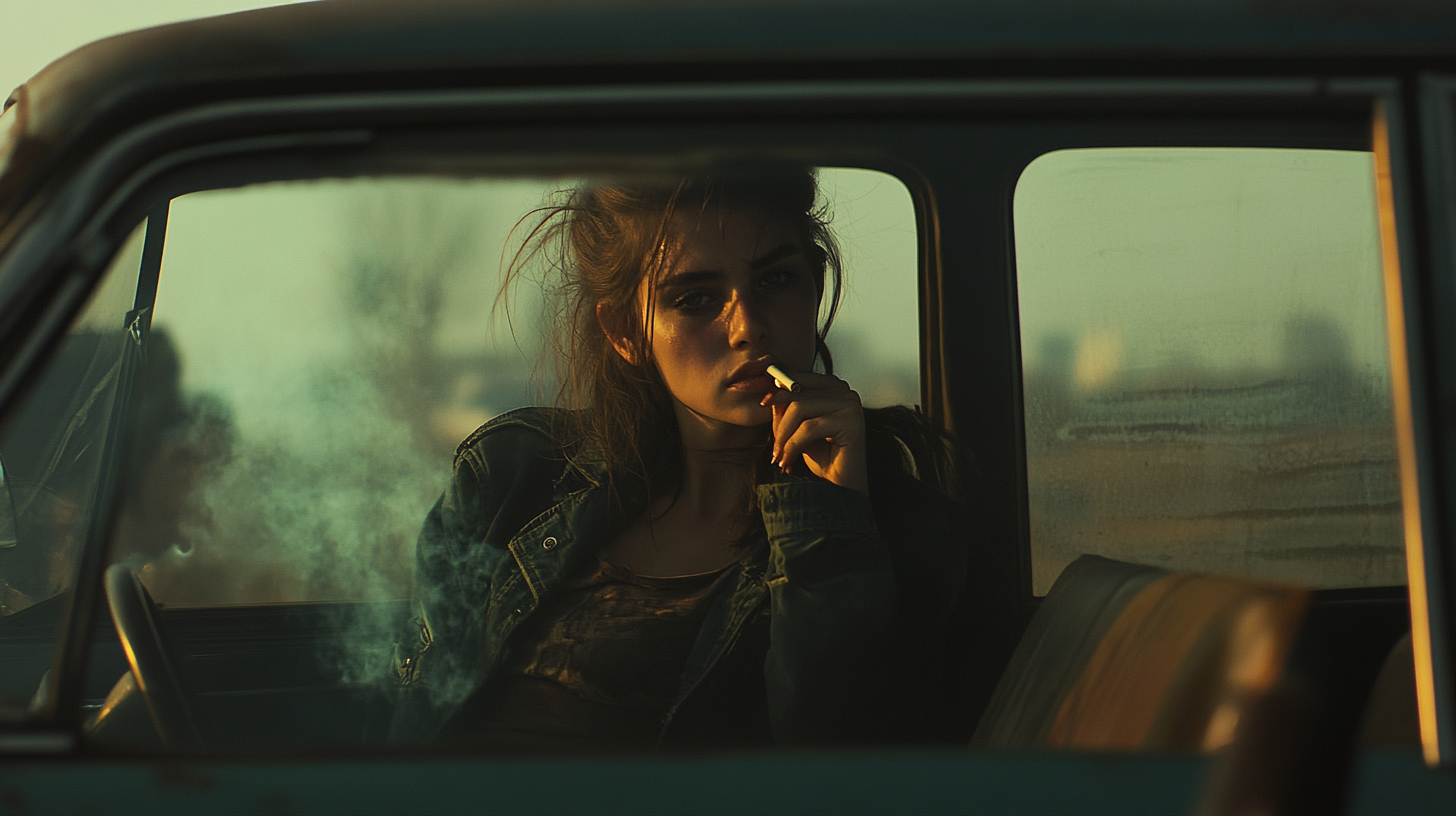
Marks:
<point>790,654</point>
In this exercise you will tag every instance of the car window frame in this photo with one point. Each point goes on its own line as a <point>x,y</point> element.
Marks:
<point>1422,149</point>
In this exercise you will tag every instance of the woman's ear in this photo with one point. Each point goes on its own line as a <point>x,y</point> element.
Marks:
<point>614,327</point>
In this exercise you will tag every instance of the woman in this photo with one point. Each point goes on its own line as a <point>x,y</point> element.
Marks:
<point>689,555</point>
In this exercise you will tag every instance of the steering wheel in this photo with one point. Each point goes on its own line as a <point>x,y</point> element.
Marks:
<point>135,615</point>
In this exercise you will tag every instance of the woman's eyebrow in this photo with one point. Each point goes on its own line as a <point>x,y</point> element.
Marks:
<point>775,255</point>
<point>688,278</point>
<point>767,259</point>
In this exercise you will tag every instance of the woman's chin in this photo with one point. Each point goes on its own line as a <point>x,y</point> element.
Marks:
<point>744,423</point>
<point>745,414</point>
<point>743,410</point>
<point>758,417</point>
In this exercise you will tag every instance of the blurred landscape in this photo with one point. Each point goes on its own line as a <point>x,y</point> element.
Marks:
<point>1287,473</point>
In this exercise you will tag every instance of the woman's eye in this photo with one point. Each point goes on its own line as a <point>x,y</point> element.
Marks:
<point>692,300</point>
<point>779,277</point>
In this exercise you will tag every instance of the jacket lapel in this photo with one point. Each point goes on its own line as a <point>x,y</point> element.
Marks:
<point>584,518</point>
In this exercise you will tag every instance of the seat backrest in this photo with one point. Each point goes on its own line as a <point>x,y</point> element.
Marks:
<point>1392,718</point>
<point>1128,657</point>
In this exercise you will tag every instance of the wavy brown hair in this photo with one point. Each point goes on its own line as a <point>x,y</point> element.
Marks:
<point>599,243</point>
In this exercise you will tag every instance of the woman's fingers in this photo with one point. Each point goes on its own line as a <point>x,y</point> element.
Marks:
<point>814,438</point>
<point>822,426</point>
<point>831,446</point>
<point>789,414</point>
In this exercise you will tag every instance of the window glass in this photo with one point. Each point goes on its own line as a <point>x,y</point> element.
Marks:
<point>321,348</point>
<point>876,335</point>
<point>1206,380</point>
<point>54,453</point>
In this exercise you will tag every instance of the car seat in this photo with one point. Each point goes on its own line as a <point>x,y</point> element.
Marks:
<point>1128,657</point>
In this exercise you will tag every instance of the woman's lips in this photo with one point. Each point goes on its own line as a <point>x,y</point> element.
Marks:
<point>759,384</point>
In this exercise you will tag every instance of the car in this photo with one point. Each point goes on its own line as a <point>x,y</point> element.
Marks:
<point>1175,279</point>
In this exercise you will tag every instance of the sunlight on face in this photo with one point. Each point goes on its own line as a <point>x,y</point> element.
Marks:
<point>738,294</point>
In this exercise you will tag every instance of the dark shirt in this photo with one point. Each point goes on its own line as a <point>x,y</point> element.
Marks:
<point>599,666</point>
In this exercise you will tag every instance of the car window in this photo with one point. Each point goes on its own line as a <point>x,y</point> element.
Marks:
<point>322,347</point>
<point>1205,370</point>
<point>54,453</point>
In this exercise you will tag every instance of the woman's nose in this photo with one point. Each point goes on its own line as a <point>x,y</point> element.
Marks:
<point>746,327</point>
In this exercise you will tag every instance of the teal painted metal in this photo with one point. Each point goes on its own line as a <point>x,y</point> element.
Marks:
<point>1400,782</point>
<point>906,782</point>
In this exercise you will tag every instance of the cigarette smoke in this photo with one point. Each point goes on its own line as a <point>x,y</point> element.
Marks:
<point>322,501</point>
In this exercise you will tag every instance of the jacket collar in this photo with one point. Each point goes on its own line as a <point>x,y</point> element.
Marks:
<point>587,509</point>
<point>584,469</point>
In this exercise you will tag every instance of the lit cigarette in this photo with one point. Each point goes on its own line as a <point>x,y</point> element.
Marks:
<point>785,381</point>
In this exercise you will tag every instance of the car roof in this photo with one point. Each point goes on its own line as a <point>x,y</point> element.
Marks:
<point>294,48</point>
<point>340,34</point>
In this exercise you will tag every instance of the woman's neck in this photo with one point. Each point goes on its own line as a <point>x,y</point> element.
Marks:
<point>717,461</point>
<point>696,525</point>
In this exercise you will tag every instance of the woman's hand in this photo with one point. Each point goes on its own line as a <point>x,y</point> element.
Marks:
<point>823,426</point>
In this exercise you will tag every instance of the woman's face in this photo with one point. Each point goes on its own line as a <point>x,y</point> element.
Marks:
<point>736,295</point>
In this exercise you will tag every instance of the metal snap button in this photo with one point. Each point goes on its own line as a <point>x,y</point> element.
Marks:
<point>549,543</point>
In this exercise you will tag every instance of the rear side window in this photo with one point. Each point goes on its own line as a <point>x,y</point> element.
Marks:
<point>1205,366</point>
